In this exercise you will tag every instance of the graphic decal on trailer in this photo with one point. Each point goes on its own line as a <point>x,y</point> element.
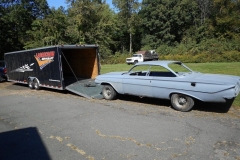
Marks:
<point>44,58</point>
<point>24,68</point>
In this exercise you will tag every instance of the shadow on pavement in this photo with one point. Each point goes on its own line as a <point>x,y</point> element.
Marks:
<point>22,144</point>
<point>145,100</point>
<point>213,107</point>
<point>17,86</point>
<point>200,106</point>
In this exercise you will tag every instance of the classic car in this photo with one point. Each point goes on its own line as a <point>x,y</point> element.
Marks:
<point>170,80</point>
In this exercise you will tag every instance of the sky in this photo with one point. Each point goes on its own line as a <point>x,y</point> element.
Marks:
<point>58,3</point>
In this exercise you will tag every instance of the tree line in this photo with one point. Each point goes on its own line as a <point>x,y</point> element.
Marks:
<point>168,26</point>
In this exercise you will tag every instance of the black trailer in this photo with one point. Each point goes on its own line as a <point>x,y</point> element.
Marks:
<point>70,67</point>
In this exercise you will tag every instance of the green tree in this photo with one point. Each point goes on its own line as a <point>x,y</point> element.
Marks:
<point>205,7</point>
<point>92,22</point>
<point>226,19</point>
<point>128,16</point>
<point>16,18</point>
<point>48,31</point>
<point>165,22</point>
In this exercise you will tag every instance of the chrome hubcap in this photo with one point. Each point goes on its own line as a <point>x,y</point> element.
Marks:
<point>182,100</point>
<point>108,92</point>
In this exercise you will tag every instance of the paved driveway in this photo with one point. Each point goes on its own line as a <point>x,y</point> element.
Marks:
<point>58,125</point>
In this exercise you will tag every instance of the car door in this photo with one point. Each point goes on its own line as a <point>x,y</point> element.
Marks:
<point>162,81</point>
<point>137,82</point>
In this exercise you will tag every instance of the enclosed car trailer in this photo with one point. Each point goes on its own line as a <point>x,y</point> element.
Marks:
<point>70,67</point>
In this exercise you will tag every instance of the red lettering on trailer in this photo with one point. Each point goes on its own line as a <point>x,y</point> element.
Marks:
<point>45,54</point>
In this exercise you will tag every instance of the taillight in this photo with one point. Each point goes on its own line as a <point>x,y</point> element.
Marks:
<point>5,70</point>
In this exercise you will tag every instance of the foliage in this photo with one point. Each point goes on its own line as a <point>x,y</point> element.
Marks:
<point>48,31</point>
<point>128,17</point>
<point>116,58</point>
<point>226,19</point>
<point>188,30</point>
<point>16,18</point>
<point>228,56</point>
<point>164,22</point>
<point>210,46</point>
<point>92,22</point>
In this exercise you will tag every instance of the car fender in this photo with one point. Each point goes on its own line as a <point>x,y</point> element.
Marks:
<point>116,86</point>
<point>185,93</point>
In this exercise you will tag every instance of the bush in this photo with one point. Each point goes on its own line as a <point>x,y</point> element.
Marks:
<point>228,56</point>
<point>116,59</point>
<point>210,50</point>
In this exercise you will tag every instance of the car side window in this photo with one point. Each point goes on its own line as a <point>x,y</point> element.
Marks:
<point>141,70</point>
<point>159,71</point>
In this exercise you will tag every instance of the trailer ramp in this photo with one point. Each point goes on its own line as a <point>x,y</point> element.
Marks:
<point>86,88</point>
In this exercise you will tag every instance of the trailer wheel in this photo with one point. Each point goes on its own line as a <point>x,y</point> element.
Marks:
<point>36,84</point>
<point>30,84</point>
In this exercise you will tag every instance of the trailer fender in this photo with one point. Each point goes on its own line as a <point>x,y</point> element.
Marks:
<point>33,83</point>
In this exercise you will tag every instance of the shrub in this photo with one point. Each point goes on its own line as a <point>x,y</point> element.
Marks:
<point>209,50</point>
<point>228,56</point>
<point>115,59</point>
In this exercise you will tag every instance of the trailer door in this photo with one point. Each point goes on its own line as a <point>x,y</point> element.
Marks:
<point>80,66</point>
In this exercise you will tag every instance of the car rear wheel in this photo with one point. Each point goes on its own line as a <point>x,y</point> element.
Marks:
<point>182,102</point>
<point>108,92</point>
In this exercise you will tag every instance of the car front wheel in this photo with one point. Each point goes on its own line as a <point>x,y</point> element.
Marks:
<point>108,92</point>
<point>182,102</point>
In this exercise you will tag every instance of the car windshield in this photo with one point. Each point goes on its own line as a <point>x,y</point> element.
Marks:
<point>179,68</point>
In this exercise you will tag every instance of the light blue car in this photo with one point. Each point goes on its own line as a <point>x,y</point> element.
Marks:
<point>170,80</point>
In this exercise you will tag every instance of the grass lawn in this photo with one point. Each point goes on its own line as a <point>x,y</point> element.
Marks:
<point>217,68</point>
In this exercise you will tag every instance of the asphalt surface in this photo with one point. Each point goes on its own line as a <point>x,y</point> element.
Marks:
<point>58,125</point>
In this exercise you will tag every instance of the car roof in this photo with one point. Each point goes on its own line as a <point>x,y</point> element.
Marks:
<point>160,63</point>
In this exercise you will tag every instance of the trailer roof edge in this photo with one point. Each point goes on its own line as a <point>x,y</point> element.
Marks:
<point>58,46</point>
